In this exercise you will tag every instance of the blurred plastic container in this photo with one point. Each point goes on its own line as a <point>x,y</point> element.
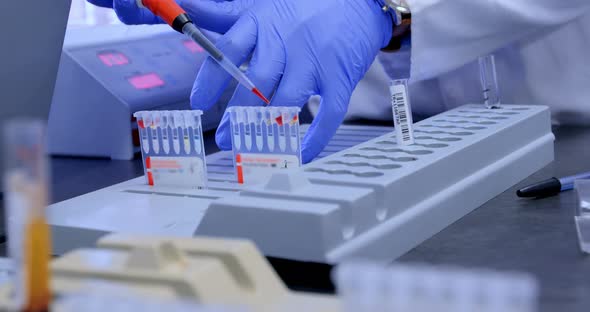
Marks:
<point>366,286</point>
<point>582,216</point>
<point>26,194</point>
<point>264,140</point>
<point>172,148</point>
<point>131,302</point>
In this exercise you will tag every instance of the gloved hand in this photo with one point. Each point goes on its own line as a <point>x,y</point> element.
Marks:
<point>299,49</point>
<point>213,15</point>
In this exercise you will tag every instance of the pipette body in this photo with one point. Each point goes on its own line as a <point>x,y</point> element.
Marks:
<point>179,20</point>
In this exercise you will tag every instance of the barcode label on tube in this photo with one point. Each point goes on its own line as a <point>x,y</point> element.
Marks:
<point>402,112</point>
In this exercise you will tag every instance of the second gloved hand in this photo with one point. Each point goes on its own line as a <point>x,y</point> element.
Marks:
<point>299,49</point>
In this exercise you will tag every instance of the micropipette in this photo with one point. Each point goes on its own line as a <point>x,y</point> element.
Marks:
<point>177,18</point>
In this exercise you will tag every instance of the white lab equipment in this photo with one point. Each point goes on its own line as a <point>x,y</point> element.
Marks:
<point>265,140</point>
<point>118,300</point>
<point>109,72</point>
<point>29,66</point>
<point>172,148</point>
<point>365,286</point>
<point>582,216</point>
<point>364,192</point>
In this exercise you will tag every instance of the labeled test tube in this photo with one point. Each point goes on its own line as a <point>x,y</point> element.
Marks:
<point>489,81</point>
<point>26,190</point>
<point>402,111</point>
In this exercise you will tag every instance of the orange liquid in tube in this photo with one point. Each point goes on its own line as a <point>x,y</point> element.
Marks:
<point>37,257</point>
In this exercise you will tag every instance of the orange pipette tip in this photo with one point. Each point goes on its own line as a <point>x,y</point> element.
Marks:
<point>260,95</point>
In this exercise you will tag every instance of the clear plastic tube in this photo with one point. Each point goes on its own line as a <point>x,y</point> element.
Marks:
<point>26,189</point>
<point>489,81</point>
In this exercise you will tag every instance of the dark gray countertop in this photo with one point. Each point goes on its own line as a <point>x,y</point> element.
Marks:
<point>507,233</point>
<point>536,236</point>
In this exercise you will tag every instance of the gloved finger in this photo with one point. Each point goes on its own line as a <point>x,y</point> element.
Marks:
<point>330,115</point>
<point>129,13</point>
<point>265,71</point>
<point>237,45</point>
<point>102,3</point>
<point>215,15</point>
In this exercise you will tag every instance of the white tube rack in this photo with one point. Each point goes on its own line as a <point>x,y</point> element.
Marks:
<point>373,200</point>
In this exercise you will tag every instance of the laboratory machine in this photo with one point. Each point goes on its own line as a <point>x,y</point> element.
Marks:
<point>109,72</point>
<point>364,196</point>
<point>28,72</point>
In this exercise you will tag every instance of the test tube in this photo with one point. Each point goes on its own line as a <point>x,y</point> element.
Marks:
<point>294,130</point>
<point>247,119</point>
<point>26,190</point>
<point>184,124</point>
<point>174,124</point>
<point>489,81</point>
<point>258,129</point>
<point>143,133</point>
<point>281,118</point>
<point>197,131</point>
<point>164,120</point>
<point>270,137</point>
<point>154,118</point>
<point>235,125</point>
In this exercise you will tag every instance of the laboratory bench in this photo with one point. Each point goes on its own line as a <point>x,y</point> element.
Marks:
<point>506,233</point>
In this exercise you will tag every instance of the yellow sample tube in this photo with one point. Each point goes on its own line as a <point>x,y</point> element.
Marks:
<point>26,199</point>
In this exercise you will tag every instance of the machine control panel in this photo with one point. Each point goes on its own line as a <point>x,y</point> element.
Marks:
<point>140,71</point>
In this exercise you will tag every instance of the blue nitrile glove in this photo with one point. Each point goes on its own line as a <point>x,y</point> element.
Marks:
<point>214,15</point>
<point>299,49</point>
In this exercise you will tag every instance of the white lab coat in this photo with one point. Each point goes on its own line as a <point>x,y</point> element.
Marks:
<point>542,50</point>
